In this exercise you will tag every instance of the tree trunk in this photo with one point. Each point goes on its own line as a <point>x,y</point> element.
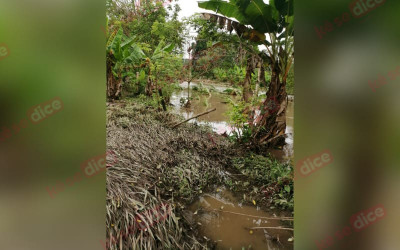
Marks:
<point>114,86</point>
<point>149,87</point>
<point>261,78</point>
<point>188,97</point>
<point>162,99</point>
<point>247,81</point>
<point>273,114</point>
<point>188,103</point>
<point>257,88</point>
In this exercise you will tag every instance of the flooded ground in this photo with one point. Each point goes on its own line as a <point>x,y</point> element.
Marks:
<point>222,219</point>
<point>232,225</point>
<point>218,119</point>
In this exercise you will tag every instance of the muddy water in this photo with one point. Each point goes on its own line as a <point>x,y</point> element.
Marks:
<point>232,225</point>
<point>222,219</point>
<point>218,119</point>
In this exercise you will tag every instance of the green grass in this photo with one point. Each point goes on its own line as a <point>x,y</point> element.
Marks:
<point>276,178</point>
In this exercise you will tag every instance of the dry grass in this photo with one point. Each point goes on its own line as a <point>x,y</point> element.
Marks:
<point>155,165</point>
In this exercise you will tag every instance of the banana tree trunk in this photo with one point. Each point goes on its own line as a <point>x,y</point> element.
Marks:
<point>114,86</point>
<point>247,80</point>
<point>271,127</point>
<point>149,87</point>
<point>261,78</point>
<point>137,82</point>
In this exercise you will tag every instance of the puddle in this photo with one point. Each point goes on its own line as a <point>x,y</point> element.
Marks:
<point>229,223</point>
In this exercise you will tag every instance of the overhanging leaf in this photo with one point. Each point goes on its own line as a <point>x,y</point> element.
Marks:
<point>228,9</point>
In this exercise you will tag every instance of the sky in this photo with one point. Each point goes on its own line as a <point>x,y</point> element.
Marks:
<point>189,7</point>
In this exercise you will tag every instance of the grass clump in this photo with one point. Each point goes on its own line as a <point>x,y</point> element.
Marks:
<point>274,178</point>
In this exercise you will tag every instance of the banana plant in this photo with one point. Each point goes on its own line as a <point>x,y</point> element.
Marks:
<point>122,53</point>
<point>251,20</point>
<point>150,62</point>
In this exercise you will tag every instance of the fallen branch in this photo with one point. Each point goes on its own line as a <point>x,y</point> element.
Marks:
<point>270,140</point>
<point>281,228</point>
<point>260,217</point>
<point>194,117</point>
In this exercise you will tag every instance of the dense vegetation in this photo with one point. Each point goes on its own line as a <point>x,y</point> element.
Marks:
<point>146,44</point>
<point>150,52</point>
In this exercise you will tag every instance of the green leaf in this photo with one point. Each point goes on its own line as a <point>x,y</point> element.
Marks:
<point>159,52</point>
<point>169,48</point>
<point>285,7</point>
<point>287,188</point>
<point>142,75</point>
<point>115,45</point>
<point>136,53</point>
<point>261,16</point>
<point>128,42</point>
<point>229,9</point>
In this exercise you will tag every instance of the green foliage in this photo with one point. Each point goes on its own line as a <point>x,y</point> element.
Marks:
<point>234,75</point>
<point>161,66</point>
<point>275,19</point>
<point>209,33</point>
<point>265,18</point>
<point>169,67</point>
<point>201,89</point>
<point>155,100</point>
<point>150,21</point>
<point>261,16</point>
<point>148,101</point>
<point>122,51</point>
<point>220,74</point>
<point>144,37</point>
<point>213,40</point>
<point>233,92</point>
<point>239,121</point>
<point>290,82</point>
<point>275,177</point>
<point>168,90</point>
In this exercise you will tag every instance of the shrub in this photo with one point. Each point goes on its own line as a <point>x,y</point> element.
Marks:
<point>239,120</point>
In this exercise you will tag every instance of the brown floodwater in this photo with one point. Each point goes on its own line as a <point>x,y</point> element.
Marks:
<point>232,225</point>
<point>221,218</point>
<point>219,119</point>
